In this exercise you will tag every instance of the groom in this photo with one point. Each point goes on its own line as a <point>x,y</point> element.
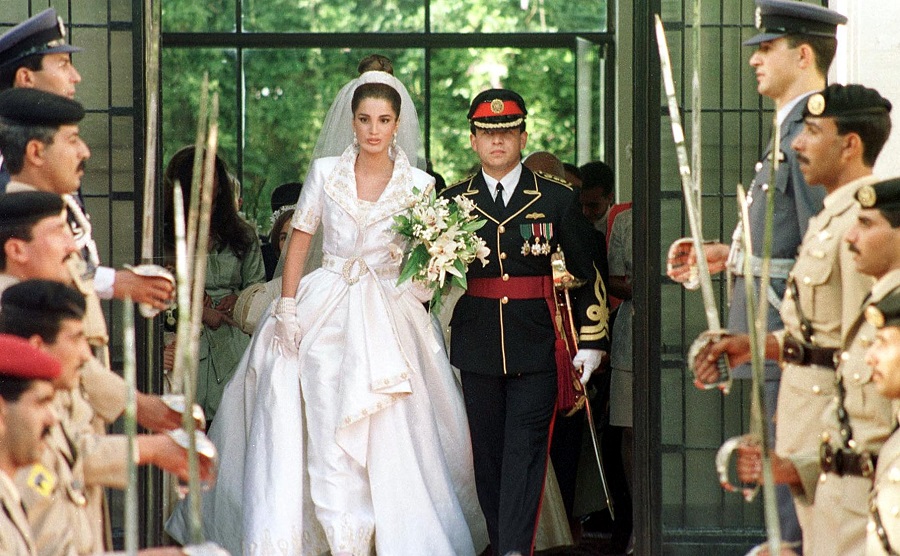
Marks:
<point>503,334</point>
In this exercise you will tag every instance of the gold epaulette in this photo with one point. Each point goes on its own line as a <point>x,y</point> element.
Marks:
<point>554,179</point>
<point>463,181</point>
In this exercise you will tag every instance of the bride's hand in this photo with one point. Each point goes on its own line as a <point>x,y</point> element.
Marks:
<point>422,293</point>
<point>287,330</point>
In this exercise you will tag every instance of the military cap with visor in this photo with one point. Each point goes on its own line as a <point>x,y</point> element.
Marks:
<point>28,207</point>
<point>34,107</point>
<point>497,109</point>
<point>43,33</point>
<point>778,18</point>
<point>19,359</point>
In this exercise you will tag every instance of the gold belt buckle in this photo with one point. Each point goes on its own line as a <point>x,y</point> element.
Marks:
<point>353,269</point>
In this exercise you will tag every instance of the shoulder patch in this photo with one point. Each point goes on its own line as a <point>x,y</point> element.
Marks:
<point>41,480</point>
<point>554,179</point>
<point>463,181</point>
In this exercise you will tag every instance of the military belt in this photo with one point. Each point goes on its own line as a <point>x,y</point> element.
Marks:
<point>778,268</point>
<point>511,287</point>
<point>799,352</point>
<point>880,531</point>
<point>845,461</point>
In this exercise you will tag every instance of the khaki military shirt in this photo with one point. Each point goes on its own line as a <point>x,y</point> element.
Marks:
<point>67,514</point>
<point>841,509</point>
<point>886,497</point>
<point>831,292</point>
<point>15,533</point>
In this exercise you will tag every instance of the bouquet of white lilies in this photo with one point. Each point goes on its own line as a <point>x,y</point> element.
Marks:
<point>442,243</point>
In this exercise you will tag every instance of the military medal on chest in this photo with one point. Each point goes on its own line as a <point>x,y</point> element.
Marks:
<point>537,236</point>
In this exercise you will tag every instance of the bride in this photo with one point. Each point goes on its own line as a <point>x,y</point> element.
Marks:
<point>343,429</point>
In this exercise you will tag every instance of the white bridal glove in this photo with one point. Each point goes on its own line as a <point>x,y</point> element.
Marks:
<point>287,331</point>
<point>588,360</point>
<point>418,289</point>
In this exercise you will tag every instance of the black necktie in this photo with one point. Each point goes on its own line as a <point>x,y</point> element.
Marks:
<point>498,200</point>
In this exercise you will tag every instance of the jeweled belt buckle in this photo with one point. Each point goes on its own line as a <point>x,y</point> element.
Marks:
<point>353,269</point>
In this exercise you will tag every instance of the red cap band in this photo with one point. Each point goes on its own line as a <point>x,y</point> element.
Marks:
<point>496,108</point>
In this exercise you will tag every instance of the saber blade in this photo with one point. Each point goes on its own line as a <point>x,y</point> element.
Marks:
<point>710,308</point>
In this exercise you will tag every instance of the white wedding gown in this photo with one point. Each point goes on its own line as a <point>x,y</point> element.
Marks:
<point>371,383</point>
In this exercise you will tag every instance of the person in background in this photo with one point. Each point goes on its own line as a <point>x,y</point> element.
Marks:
<point>233,263</point>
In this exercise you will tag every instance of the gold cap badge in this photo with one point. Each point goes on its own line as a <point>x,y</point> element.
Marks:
<point>816,104</point>
<point>866,196</point>
<point>497,106</point>
<point>758,18</point>
<point>874,316</point>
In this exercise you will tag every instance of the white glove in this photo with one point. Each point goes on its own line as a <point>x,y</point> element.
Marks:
<point>419,290</point>
<point>287,331</point>
<point>588,360</point>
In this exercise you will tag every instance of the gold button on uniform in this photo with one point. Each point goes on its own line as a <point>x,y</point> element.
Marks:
<point>505,277</point>
<point>501,229</point>
<point>504,300</point>
<point>807,279</point>
<point>816,389</point>
<point>502,256</point>
<point>845,356</point>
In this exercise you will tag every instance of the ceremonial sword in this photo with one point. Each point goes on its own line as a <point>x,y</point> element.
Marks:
<point>691,207</point>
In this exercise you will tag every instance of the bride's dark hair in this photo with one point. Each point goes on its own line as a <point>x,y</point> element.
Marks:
<point>377,91</point>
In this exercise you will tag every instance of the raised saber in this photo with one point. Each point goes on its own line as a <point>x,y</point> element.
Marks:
<point>691,206</point>
<point>130,376</point>
<point>151,47</point>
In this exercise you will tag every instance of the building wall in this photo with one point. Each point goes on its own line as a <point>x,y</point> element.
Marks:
<point>868,51</point>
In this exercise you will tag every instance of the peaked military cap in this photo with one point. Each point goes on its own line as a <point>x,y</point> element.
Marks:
<point>838,100</point>
<point>777,18</point>
<point>497,109</point>
<point>28,207</point>
<point>43,33</point>
<point>34,107</point>
<point>884,195</point>
<point>19,359</point>
<point>886,312</point>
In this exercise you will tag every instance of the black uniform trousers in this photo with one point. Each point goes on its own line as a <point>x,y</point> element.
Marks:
<point>510,419</point>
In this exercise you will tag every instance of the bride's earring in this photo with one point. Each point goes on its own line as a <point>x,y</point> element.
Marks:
<point>392,151</point>
<point>355,141</point>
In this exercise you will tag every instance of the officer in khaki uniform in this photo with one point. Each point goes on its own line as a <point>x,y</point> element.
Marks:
<point>503,337</point>
<point>883,530</point>
<point>79,461</point>
<point>26,415</point>
<point>57,167</point>
<point>845,128</point>
<point>860,419</point>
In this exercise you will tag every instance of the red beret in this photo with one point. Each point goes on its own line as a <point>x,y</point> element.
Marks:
<point>19,359</point>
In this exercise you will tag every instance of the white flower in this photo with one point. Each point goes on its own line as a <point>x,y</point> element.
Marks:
<point>466,205</point>
<point>482,251</point>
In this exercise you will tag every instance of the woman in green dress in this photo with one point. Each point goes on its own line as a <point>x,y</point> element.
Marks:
<point>234,262</point>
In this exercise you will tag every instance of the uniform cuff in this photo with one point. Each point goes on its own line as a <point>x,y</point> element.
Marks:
<point>104,278</point>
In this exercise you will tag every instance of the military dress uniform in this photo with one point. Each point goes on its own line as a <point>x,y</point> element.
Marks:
<point>883,528</point>
<point>15,533</point>
<point>824,295</point>
<point>845,482</point>
<point>817,312</point>
<point>503,337</point>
